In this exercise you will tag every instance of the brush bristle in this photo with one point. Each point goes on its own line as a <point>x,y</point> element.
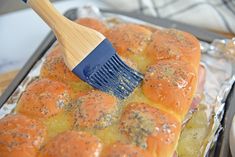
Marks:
<point>116,77</point>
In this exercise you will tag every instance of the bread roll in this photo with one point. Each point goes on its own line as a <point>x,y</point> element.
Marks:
<point>20,136</point>
<point>174,44</point>
<point>54,68</point>
<point>95,110</point>
<point>171,84</point>
<point>150,128</point>
<point>44,98</point>
<point>72,144</point>
<point>129,39</point>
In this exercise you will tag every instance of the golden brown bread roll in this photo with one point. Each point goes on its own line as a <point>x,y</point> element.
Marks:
<point>20,136</point>
<point>44,98</point>
<point>72,144</point>
<point>54,68</point>
<point>95,110</point>
<point>171,85</point>
<point>129,39</point>
<point>150,128</point>
<point>174,44</point>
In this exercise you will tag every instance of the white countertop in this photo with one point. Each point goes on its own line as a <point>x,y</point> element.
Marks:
<point>22,32</point>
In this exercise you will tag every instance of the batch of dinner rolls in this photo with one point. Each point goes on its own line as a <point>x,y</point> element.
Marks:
<point>58,115</point>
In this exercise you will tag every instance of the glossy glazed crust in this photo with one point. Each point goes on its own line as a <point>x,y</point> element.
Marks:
<point>95,110</point>
<point>54,68</point>
<point>171,84</point>
<point>150,128</point>
<point>174,44</point>
<point>129,39</point>
<point>73,144</point>
<point>20,136</point>
<point>44,98</point>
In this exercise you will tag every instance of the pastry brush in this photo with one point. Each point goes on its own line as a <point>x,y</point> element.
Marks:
<point>88,54</point>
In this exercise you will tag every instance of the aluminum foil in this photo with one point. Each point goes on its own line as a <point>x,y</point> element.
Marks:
<point>218,58</point>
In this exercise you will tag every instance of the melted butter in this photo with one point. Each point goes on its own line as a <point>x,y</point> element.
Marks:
<point>142,62</point>
<point>110,135</point>
<point>137,96</point>
<point>57,124</point>
<point>194,134</point>
<point>80,86</point>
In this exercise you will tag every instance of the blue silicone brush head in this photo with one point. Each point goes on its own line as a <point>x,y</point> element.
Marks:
<point>104,70</point>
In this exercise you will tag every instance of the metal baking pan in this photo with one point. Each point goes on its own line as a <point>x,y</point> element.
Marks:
<point>220,149</point>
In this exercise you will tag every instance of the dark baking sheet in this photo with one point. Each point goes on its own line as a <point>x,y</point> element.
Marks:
<point>221,149</point>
